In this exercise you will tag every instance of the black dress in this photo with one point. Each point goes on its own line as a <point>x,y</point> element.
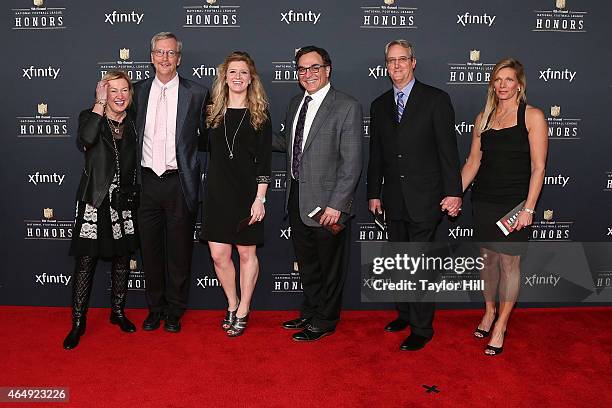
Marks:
<point>232,182</point>
<point>502,182</point>
<point>106,232</point>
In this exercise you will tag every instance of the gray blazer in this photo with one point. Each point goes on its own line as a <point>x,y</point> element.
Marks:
<point>190,125</point>
<point>331,159</point>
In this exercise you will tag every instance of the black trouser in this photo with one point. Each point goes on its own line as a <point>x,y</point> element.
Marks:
<point>166,237</point>
<point>322,263</point>
<point>420,315</point>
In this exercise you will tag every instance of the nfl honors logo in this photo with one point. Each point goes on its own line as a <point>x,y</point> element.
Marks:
<point>211,15</point>
<point>38,17</point>
<point>474,55</point>
<point>284,71</point>
<point>124,54</point>
<point>555,111</point>
<point>560,20</point>
<point>48,213</point>
<point>548,215</point>
<point>42,109</point>
<point>388,15</point>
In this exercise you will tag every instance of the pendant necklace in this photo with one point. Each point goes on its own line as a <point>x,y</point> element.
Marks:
<point>231,149</point>
<point>114,129</point>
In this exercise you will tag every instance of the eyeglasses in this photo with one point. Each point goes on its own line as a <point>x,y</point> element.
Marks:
<point>314,69</point>
<point>400,60</point>
<point>170,53</point>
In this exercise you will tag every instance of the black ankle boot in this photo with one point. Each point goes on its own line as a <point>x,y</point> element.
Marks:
<point>119,318</point>
<point>74,336</point>
<point>81,290</point>
<point>120,273</point>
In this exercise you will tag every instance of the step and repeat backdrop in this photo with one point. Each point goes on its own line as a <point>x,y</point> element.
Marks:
<point>59,49</point>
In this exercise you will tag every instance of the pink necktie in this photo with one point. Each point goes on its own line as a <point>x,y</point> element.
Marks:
<point>159,138</point>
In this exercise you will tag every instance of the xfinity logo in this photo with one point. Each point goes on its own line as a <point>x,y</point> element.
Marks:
<point>467,18</point>
<point>464,127</point>
<point>458,232</point>
<point>377,72</point>
<point>285,233</point>
<point>300,17</point>
<point>61,279</point>
<point>206,282</point>
<point>116,17</point>
<point>610,231</point>
<point>542,280</point>
<point>46,178</point>
<point>202,71</point>
<point>33,72</point>
<point>556,180</point>
<point>550,74</point>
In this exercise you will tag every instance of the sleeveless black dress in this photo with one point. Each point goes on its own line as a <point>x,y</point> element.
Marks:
<point>232,182</point>
<point>502,182</point>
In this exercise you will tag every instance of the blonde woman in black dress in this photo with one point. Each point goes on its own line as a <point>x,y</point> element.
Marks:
<point>506,163</point>
<point>239,144</point>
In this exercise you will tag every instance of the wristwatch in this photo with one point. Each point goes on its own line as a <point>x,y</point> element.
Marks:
<point>262,199</point>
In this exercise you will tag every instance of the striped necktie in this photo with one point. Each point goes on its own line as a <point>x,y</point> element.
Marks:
<point>400,106</point>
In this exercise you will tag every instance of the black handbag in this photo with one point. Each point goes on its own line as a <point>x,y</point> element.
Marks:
<point>124,197</point>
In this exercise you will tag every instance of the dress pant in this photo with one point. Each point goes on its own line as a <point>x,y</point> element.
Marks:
<point>322,263</point>
<point>166,236</point>
<point>419,315</point>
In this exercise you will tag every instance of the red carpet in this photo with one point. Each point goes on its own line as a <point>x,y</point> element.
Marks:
<point>552,357</point>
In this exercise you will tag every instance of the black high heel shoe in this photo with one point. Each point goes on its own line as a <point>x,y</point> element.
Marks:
<point>482,334</point>
<point>495,351</point>
<point>230,317</point>
<point>238,327</point>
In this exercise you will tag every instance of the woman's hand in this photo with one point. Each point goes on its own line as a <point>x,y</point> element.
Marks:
<point>524,219</point>
<point>102,91</point>
<point>258,211</point>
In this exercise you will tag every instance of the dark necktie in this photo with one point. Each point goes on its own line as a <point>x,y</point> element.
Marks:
<point>297,139</point>
<point>400,106</point>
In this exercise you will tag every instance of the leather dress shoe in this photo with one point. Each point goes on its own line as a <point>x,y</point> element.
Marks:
<point>312,333</point>
<point>152,321</point>
<point>296,324</point>
<point>414,342</point>
<point>396,325</point>
<point>172,324</point>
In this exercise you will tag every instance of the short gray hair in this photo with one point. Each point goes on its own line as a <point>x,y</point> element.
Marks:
<point>164,35</point>
<point>402,43</point>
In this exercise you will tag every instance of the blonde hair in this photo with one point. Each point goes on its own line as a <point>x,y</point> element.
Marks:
<point>257,102</point>
<point>492,100</point>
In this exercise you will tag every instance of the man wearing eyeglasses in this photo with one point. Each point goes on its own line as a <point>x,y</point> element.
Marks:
<point>413,149</point>
<point>169,121</point>
<point>322,137</point>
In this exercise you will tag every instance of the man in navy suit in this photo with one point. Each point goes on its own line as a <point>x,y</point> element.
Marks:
<point>170,120</point>
<point>413,149</point>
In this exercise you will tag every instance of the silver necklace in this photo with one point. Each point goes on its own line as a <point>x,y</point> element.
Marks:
<point>115,129</point>
<point>231,149</point>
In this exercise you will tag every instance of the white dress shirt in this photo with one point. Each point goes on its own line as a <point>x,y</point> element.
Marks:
<point>313,108</point>
<point>172,88</point>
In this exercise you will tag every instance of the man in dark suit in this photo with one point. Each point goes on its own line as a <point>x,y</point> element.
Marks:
<point>322,137</point>
<point>170,119</point>
<point>414,151</point>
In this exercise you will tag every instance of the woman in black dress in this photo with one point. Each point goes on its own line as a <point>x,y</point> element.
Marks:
<point>240,144</point>
<point>102,229</point>
<point>506,163</point>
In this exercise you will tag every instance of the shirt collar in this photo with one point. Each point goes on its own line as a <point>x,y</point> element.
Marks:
<point>320,94</point>
<point>169,85</point>
<point>406,90</point>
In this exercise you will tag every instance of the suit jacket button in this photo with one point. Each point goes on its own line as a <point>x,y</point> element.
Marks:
<point>401,176</point>
<point>399,156</point>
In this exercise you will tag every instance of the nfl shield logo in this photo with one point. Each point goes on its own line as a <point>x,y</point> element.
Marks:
<point>133,265</point>
<point>38,3</point>
<point>42,109</point>
<point>211,1</point>
<point>560,4</point>
<point>555,111</point>
<point>389,2</point>
<point>548,215</point>
<point>295,267</point>
<point>48,213</point>
<point>124,53</point>
<point>474,55</point>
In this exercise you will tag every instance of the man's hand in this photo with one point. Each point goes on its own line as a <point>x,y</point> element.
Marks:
<point>375,206</point>
<point>452,205</point>
<point>330,216</point>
